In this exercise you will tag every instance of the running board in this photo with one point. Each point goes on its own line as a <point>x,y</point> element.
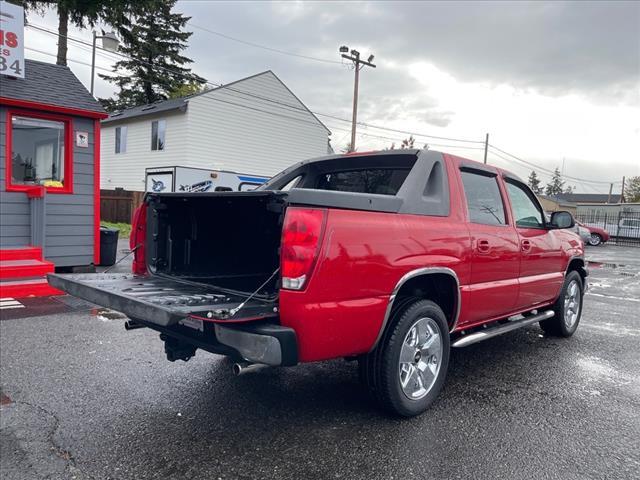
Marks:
<point>499,330</point>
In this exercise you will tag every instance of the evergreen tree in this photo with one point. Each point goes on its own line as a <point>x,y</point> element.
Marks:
<point>155,66</point>
<point>534,183</point>
<point>632,190</point>
<point>186,89</point>
<point>408,142</point>
<point>86,13</point>
<point>556,185</point>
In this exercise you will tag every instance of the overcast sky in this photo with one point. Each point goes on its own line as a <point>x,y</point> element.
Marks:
<point>548,80</point>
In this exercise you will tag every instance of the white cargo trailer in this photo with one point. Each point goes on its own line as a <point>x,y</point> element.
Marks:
<point>188,179</point>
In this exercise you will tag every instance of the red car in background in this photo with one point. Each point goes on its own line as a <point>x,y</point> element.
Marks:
<point>598,235</point>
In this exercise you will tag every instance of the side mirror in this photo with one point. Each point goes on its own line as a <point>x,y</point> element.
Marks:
<point>562,219</point>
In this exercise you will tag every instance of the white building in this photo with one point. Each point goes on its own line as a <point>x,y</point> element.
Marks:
<point>255,125</point>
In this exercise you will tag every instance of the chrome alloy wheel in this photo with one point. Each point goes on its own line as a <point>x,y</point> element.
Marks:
<point>420,358</point>
<point>595,240</point>
<point>572,304</point>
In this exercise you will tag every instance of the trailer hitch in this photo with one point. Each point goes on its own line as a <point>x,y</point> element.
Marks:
<point>176,349</point>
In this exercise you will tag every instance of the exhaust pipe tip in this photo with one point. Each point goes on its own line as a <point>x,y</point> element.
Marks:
<point>237,369</point>
<point>241,368</point>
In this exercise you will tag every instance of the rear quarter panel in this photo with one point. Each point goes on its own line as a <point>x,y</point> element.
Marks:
<point>362,258</point>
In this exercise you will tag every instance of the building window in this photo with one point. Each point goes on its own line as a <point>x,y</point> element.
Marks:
<point>158,129</point>
<point>40,148</point>
<point>121,139</point>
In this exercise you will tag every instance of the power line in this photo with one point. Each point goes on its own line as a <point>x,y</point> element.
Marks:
<point>267,99</point>
<point>370,135</point>
<point>533,165</point>
<point>70,59</point>
<point>228,89</point>
<point>263,47</point>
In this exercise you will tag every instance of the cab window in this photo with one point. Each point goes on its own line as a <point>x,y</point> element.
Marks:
<point>526,212</point>
<point>484,201</point>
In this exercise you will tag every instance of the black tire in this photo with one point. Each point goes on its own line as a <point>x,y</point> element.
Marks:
<point>562,324</point>
<point>381,370</point>
<point>595,239</point>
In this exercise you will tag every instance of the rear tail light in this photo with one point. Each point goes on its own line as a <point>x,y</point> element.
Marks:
<point>301,241</point>
<point>137,240</point>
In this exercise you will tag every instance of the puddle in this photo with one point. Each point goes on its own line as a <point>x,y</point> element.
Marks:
<point>593,264</point>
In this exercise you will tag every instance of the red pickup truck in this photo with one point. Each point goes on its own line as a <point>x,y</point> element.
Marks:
<point>390,258</point>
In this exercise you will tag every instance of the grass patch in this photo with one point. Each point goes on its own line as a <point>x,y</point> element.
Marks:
<point>125,228</point>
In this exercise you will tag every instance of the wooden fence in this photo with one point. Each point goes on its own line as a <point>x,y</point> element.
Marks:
<point>118,205</point>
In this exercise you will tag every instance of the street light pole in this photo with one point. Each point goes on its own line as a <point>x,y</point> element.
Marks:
<point>93,60</point>
<point>358,65</point>
<point>109,42</point>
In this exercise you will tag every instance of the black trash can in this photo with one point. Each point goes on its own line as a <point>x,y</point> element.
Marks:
<point>108,245</point>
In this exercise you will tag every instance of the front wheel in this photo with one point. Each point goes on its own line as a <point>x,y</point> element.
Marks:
<point>407,369</point>
<point>567,308</point>
<point>595,240</point>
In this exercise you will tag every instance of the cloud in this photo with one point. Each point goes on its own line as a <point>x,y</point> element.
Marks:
<point>547,79</point>
<point>553,47</point>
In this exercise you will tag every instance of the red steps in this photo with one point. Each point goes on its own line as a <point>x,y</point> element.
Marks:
<point>23,273</point>
<point>28,267</point>
<point>21,253</point>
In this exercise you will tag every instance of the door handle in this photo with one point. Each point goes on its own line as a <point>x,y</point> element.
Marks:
<point>483,245</point>
<point>526,246</point>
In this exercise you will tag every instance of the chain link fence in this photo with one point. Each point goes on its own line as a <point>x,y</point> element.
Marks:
<point>624,227</point>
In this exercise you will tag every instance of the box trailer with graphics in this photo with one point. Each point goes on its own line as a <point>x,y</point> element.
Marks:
<point>187,179</point>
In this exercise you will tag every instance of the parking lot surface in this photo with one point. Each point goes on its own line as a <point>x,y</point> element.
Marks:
<point>82,398</point>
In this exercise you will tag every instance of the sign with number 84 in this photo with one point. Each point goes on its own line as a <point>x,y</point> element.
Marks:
<point>11,40</point>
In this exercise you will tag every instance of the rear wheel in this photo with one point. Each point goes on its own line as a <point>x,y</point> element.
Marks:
<point>595,240</point>
<point>567,308</point>
<point>407,369</point>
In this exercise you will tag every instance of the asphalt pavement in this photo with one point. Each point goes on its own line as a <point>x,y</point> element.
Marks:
<point>82,398</point>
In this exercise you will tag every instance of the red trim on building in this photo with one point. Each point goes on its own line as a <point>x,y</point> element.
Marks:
<point>68,151</point>
<point>35,192</point>
<point>96,191</point>
<point>52,108</point>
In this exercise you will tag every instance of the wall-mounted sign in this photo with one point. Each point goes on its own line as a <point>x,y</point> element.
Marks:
<point>11,40</point>
<point>82,139</point>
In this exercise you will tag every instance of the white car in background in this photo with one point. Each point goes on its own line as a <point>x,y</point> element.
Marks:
<point>583,232</point>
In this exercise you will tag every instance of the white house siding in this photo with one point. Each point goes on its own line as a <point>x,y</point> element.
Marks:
<point>231,129</point>
<point>126,170</point>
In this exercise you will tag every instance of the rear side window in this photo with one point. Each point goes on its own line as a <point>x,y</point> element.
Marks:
<point>483,198</point>
<point>383,181</point>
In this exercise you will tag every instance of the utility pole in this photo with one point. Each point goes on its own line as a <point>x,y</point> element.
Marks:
<point>622,191</point>
<point>358,65</point>
<point>486,147</point>
<point>610,190</point>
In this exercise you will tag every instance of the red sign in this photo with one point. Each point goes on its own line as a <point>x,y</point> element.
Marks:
<point>11,40</point>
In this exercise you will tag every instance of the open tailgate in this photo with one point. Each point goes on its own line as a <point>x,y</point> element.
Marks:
<point>159,300</point>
